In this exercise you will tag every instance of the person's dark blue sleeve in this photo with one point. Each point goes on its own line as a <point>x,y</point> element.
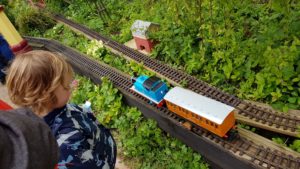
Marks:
<point>6,54</point>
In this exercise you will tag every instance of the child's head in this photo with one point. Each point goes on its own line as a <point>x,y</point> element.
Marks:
<point>39,80</point>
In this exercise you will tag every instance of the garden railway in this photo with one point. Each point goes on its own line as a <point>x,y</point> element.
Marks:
<point>246,112</point>
<point>235,53</point>
<point>240,153</point>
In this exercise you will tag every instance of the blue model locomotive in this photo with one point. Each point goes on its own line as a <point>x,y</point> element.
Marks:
<point>151,88</point>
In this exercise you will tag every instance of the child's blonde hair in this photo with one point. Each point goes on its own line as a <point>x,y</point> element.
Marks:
<point>34,76</point>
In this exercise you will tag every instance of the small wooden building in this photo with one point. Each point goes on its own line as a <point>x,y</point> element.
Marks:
<point>140,31</point>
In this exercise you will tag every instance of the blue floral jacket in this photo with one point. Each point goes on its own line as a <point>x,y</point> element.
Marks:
<point>83,142</point>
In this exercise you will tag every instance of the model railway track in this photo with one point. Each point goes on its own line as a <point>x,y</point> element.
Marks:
<point>255,156</point>
<point>263,118</point>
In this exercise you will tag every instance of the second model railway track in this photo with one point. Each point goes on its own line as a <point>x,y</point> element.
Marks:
<point>256,116</point>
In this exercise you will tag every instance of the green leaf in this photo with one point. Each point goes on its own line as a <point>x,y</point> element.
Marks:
<point>295,146</point>
<point>227,68</point>
<point>285,108</point>
<point>296,79</point>
<point>292,99</point>
<point>288,72</point>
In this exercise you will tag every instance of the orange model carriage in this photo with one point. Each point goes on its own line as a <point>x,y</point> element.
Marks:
<point>210,114</point>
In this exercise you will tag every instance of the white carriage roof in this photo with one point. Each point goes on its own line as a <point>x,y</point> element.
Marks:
<point>203,106</point>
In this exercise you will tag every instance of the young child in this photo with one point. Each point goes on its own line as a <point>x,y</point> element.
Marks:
<point>42,81</point>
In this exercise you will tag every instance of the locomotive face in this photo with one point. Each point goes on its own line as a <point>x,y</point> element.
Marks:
<point>151,88</point>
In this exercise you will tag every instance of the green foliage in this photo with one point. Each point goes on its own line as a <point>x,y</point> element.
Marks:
<point>244,126</point>
<point>279,140</point>
<point>139,137</point>
<point>57,6</point>
<point>295,145</point>
<point>28,20</point>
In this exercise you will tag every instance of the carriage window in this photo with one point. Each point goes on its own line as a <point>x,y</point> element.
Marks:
<point>211,123</point>
<point>206,121</point>
<point>199,118</point>
<point>173,105</point>
<point>216,126</point>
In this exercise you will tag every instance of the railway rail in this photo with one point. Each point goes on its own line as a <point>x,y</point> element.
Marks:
<point>256,116</point>
<point>240,153</point>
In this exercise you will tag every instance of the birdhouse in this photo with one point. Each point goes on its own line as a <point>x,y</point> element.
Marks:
<point>140,32</point>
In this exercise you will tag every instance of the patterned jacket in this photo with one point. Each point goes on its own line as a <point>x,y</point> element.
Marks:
<point>83,142</point>
<point>6,55</point>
